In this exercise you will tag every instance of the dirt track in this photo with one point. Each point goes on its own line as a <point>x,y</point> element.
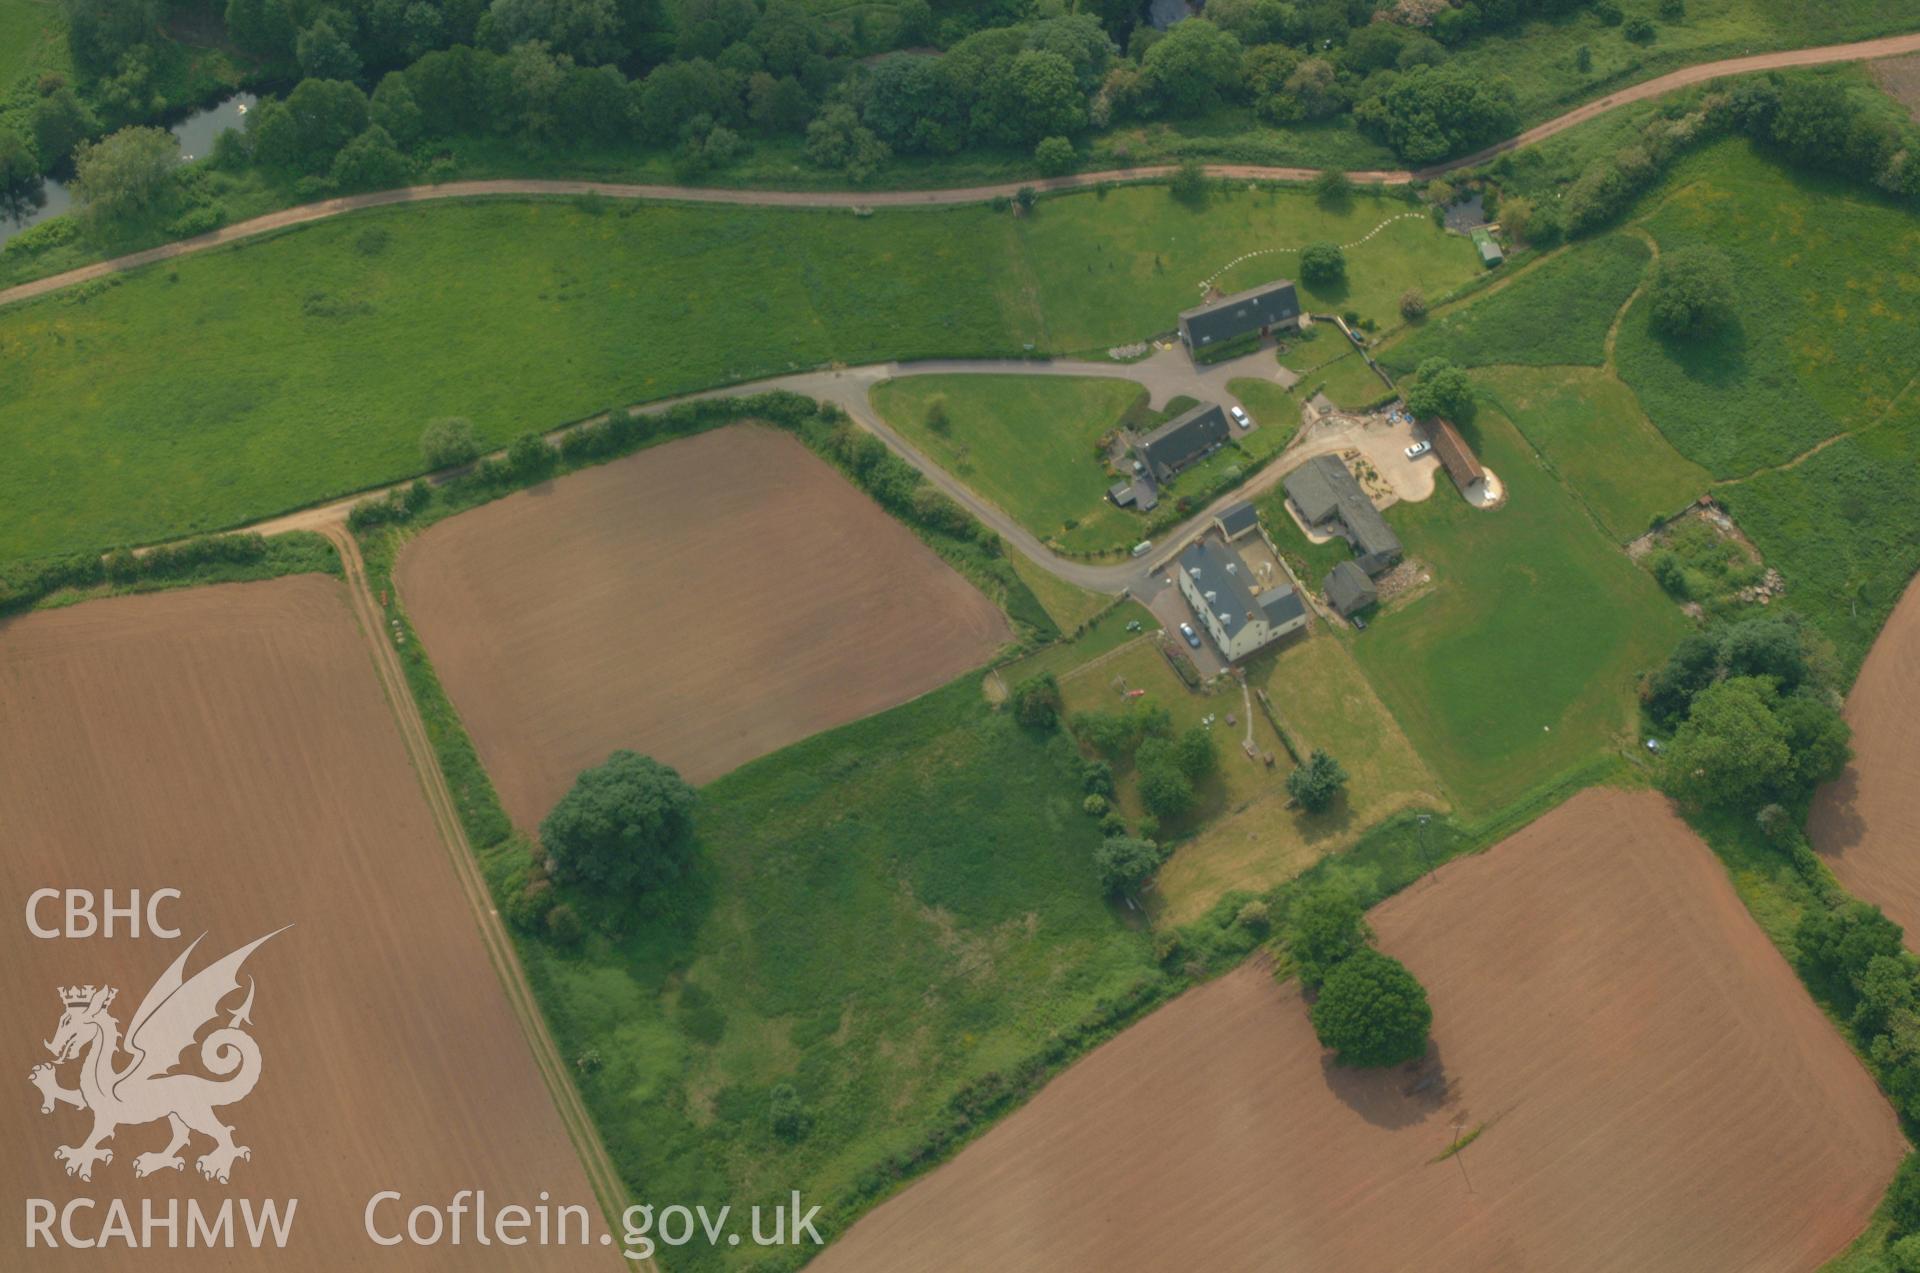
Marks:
<point>1861,51</point>
<point>704,602</point>
<point>1656,1088</point>
<point>1864,823</point>
<point>231,742</point>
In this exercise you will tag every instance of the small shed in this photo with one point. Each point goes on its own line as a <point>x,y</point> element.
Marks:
<point>1121,493</point>
<point>1349,590</point>
<point>1238,519</point>
<point>1490,253</point>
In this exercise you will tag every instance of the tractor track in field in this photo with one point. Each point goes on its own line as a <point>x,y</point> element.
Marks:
<point>608,1187</point>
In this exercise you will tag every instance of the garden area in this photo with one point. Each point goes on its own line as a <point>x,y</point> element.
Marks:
<point>1520,662</point>
<point>1323,702</point>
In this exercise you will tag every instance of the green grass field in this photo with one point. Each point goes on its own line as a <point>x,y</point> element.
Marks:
<point>1028,443</point>
<point>1842,527</point>
<point>1828,311</point>
<point>1540,57</point>
<point>1591,430</point>
<point>883,913</point>
<point>1519,663</point>
<point>23,26</point>
<point>1554,313</point>
<point>243,382</point>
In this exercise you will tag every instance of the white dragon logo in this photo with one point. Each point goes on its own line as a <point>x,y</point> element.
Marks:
<point>146,1090</point>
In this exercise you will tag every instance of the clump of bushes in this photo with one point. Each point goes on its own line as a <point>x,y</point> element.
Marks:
<point>1369,1009</point>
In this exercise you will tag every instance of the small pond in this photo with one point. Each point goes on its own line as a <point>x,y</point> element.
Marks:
<point>195,134</point>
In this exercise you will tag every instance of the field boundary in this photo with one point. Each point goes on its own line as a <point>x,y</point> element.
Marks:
<point>607,1184</point>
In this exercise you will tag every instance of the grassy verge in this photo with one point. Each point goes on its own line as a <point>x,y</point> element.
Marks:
<point>215,559</point>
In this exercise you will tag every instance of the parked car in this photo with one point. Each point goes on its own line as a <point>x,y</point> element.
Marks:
<point>1142,548</point>
<point>1418,449</point>
<point>1138,467</point>
<point>1193,638</point>
<point>1240,417</point>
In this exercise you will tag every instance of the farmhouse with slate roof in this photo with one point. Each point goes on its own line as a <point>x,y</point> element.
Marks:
<point>1258,309</point>
<point>1182,440</point>
<point>1327,497</point>
<point>1219,587</point>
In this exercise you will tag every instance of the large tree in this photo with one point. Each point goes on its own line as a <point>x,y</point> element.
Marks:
<point>1439,389</point>
<point>1189,69</point>
<point>127,175</point>
<point>1125,864</point>
<point>626,825</point>
<point>1432,112</point>
<point>1372,1012</point>
<point>1692,293</point>
<point>307,130</point>
<point>1316,783</point>
<point>1732,749</point>
<point>1325,927</point>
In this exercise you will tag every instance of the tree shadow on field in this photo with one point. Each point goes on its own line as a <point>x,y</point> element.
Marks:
<point>1393,1098</point>
<point>1837,824</point>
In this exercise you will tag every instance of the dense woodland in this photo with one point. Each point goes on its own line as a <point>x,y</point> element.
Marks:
<point>703,79</point>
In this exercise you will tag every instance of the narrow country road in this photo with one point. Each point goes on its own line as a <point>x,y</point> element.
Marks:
<point>1889,46</point>
<point>1165,374</point>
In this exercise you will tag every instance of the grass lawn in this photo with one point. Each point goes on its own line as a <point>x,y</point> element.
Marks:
<point>242,382</point>
<point>1828,312</point>
<point>1592,431</point>
<point>23,24</point>
<point>1347,381</point>
<point>1520,662</point>
<point>1308,560</point>
<point>1555,312</point>
<point>1109,632</point>
<point>1275,410</point>
<point>1028,443</point>
<point>1324,702</point>
<point>883,913</point>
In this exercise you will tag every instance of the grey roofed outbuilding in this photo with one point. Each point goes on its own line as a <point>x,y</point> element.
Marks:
<point>1183,439</point>
<point>1322,489</point>
<point>1222,578</point>
<point>1237,519</point>
<point>1281,605</point>
<point>1121,493</point>
<point>1268,305</point>
<point>1348,589</point>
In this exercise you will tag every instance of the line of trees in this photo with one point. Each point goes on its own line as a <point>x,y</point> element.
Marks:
<point>380,80</point>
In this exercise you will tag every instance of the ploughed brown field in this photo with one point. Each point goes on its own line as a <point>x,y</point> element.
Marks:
<point>1654,1088</point>
<point>1864,821</point>
<point>703,602</point>
<point>232,743</point>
